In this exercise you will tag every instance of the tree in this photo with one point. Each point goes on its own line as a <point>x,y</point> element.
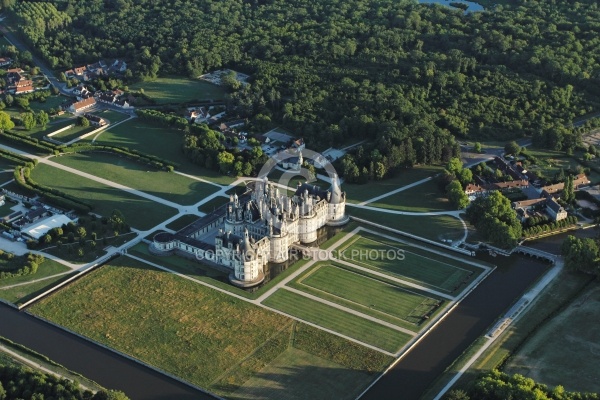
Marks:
<point>62,77</point>
<point>465,176</point>
<point>454,166</point>
<point>477,147</point>
<point>28,120</point>
<point>379,171</point>
<point>225,160</point>
<point>568,194</point>
<point>2,392</point>
<point>42,118</point>
<point>580,254</point>
<point>495,219</point>
<point>83,121</point>
<point>5,122</point>
<point>456,394</point>
<point>512,148</point>
<point>9,100</point>
<point>81,232</point>
<point>47,239</point>
<point>456,195</point>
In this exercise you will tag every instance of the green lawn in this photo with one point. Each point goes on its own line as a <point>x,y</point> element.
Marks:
<point>6,209</point>
<point>392,303</point>
<point>179,90</point>
<point>182,221</point>
<point>420,268</point>
<point>213,204</point>
<point>425,197</point>
<point>39,131</point>
<point>433,227</point>
<point>356,193</point>
<point>113,116</point>
<point>21,293</point>
<point>205,337</point>
<point>337,320</point>
<point>71,133</point>
<point>169,186</point>
<point>6,164</point>
<point>139,212</point>
<point>161,142</point>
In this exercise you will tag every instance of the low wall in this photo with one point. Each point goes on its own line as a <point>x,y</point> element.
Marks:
<point>56,132</point>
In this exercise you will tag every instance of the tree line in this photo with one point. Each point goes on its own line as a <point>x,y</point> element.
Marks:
<point>496,385</point>
<point>18,382</point>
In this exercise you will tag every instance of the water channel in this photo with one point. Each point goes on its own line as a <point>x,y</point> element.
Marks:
<point>407,380</point>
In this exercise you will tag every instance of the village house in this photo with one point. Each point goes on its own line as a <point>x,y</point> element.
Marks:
<point>4,61</point>
<point>81,105</point>
<point>197,115</point>
<point>548,204</point>
<point>578,182</point>
<point>95,120</point>
<point>112,97</point>
<point>101,68</point>
<point>81,92</point>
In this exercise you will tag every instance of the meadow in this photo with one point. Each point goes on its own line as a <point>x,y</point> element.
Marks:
<point>166,185</point>
<point>169,90</point>
<point>159,141</point>
<point>139,212</point>
<point>357,193</point>
<point>206,337</point>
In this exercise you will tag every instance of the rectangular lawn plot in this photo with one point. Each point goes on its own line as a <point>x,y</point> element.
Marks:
<point>139,212</point>
<point>415,267</point>
<point>371,296</point>
<point>337,320</point>
<point>166,185</point>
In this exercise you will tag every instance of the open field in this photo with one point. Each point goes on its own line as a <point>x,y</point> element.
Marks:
<point>169,186</point>
<point>182,222</point>
<point>208,338</point>
<point>6,164</point>
<point>433,227</point>
<point>22,293</point>
<point>299,374</point>
<point>337,320</point>
<point>565,287</point>
<point>566,350</point>
<point>393,303</point>
<point>416,265</point>
<point>213,204</point>
<point>6,209</point>
<point>356,193</point>
<point>40,131</point>
<point>161,142</point>
<point>179,90</point>
<point>139,212</point>
<point>425,197</point>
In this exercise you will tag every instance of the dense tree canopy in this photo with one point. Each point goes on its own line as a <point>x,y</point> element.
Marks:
<point>335,70</point>
<point>494,218</point>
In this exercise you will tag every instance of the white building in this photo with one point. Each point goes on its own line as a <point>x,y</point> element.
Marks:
<point>257,228</point>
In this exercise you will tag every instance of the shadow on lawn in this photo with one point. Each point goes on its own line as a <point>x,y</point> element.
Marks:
<point>298,382</point>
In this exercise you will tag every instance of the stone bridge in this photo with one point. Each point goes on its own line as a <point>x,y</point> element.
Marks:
<point>539,254</point>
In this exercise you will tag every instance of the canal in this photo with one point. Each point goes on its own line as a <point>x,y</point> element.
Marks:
<point>94,362</point>
<point>412,375</point>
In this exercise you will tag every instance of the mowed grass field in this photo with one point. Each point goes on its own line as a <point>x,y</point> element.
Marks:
<point>139,212</point>
<point>159,141</point>
<point>182,221</point>
<point>203,336</point>
<point>356,193</point>
<point>433,227</point>
<point>565,350</point>
<point>179,90</point>
<point>337,320</point>
<point>425,197</point>
<point>166,185</point>
<point>402,306</point>
<point>370,251</point>
<point>213,204</point>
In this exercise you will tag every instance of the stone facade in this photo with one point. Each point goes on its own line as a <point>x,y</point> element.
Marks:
<point>257,228</point>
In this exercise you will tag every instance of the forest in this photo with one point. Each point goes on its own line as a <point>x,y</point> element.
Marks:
<point>18,382</point>
<point>337,71</point>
